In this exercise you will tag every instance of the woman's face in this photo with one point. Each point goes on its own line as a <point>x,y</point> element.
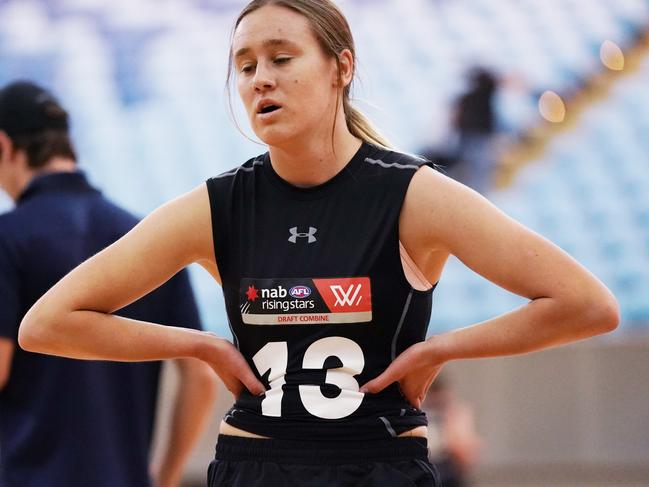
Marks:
<point>287,84</point>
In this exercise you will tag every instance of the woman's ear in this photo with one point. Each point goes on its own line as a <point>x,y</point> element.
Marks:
<point>345,67</point>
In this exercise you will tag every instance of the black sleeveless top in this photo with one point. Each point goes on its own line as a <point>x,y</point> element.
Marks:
<point>316,296</point>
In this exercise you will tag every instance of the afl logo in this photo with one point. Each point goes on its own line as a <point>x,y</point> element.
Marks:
<point>299,292</point>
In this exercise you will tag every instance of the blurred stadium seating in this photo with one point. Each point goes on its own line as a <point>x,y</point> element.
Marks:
<point>588,193</point>
<point>144,84</point>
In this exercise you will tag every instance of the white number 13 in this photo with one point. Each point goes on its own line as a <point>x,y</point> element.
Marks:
<point>274,357</point>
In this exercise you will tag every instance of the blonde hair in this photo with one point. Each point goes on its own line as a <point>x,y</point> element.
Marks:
<point>334,36</point>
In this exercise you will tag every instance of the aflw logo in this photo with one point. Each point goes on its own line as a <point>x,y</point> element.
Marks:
<point>351,295</point>
<point>348,297</point>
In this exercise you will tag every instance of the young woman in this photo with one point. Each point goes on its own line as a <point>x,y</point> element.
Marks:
<point>326,248</point>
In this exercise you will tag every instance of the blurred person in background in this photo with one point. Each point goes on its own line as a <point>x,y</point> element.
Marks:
<point>453,442</point>
<point>63,422</point>
<point>474,123</point>
<point>470,154</point>
<point>328,248</point>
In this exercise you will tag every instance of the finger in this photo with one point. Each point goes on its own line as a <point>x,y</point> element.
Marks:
<point>428,384</point>
<point>389,376</point>
<point>234,386</point>
<point>431,379</point>
<point>413,387</point>
<point>410,394</point>
<point>251,382</point>
<point>402,365</point>
<point>413,399</point>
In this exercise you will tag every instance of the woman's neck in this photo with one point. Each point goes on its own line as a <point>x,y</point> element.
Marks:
<point>316,161</point>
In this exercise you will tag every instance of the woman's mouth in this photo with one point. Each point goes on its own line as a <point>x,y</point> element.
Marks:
<point>269,112</point>
<point>269,109</point>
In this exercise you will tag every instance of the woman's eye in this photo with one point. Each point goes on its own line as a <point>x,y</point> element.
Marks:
<point>281,60</point>
<point>247,68</point>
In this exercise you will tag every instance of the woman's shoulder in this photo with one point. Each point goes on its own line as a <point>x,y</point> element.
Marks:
<point>247,167</point>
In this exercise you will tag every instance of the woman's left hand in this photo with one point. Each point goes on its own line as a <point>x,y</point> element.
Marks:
<point>415,369</point>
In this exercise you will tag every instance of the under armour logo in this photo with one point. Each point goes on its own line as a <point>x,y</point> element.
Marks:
<point>295,235</point>
<point>347,298</point>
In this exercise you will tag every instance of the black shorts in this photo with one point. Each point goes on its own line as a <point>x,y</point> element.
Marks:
<point>251,462</point>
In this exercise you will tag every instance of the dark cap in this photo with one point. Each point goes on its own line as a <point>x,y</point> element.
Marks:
<point>26,109</point>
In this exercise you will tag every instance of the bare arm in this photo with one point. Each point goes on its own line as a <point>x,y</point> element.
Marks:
<point>6,356</point>
<point>193,406</point>
<point>567,303</point>
<point>74,319</point>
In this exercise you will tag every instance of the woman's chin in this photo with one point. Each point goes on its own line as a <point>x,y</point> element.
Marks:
<point>274,137</point>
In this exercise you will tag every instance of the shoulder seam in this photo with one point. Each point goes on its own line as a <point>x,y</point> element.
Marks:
<point>386,165</point>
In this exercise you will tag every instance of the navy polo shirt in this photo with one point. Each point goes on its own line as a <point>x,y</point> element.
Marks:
<point>63,422</point>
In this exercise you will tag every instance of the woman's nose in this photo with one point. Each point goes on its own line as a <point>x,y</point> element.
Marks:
<point>263,78</point>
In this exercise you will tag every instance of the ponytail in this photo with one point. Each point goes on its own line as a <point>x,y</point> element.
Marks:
<point>360,126</point>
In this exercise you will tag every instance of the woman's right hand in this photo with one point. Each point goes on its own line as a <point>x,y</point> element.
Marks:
<point>231,367</point>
